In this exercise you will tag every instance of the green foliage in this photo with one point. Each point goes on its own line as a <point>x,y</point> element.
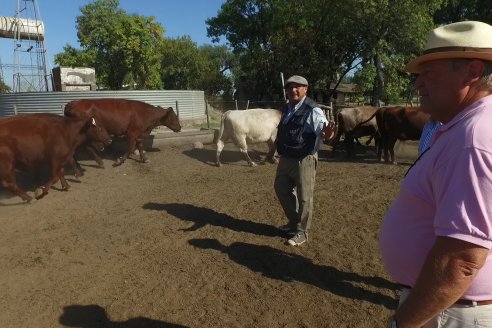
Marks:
<point>182,64</point>
<point>322,39</point>
<point>460,10</point>
<point>125,48</point>
<point>4,88</point>
<point>71,57</point>
<point>217,79</point>
<point>130,51</point>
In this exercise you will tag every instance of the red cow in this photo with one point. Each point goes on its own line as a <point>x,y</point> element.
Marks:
<point>31,140</point>
<point>132,118</point>
<point>398,123</point>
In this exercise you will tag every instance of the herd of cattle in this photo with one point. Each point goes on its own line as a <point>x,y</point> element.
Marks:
<point>33,141</point>
<point>385,125</point>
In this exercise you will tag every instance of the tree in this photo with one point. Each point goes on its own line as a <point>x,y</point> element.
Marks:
<point>4,88</point>
<point>460,10</point>
<point>124,49</point>
<point>72,57</point>
<point>323,39</point>
<point>217,78</point>
<point>182,64</point>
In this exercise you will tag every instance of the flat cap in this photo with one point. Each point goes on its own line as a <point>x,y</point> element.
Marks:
<point>296,79</point>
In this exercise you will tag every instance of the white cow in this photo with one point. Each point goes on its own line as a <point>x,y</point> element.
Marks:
<point>249,126</point>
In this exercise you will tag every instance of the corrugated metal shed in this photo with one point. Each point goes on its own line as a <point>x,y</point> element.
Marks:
<point>191,104</point>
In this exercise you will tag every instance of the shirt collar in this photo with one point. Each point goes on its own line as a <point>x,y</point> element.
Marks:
<point>299,104</point>
<point>470,109</point>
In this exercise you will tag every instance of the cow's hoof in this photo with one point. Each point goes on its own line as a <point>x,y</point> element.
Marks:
<point>40,193</point>
<point>146,161</point>
<point>253,164</point>
<point>218,164</point>
<point>118,162</point>
<point>100,165</point>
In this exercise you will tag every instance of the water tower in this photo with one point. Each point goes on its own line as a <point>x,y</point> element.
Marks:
<point>29,68</point>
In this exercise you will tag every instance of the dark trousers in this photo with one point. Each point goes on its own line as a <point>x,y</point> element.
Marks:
<point>294,186</point>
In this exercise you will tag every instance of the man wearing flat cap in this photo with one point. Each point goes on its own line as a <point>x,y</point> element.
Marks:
<point>436,237</point>
<point>298,141</point>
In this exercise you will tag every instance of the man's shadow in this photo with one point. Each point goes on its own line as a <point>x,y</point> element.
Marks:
<point>288,267</point>
<point>201,216</point>
<point>94,316</point>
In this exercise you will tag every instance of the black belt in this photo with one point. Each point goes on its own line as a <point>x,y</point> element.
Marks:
<point>460,301</point>
<point>472,303</point>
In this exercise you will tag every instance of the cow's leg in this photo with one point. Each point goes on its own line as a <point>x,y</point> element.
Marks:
<point>385,145</point>
<point>349,144</point>
<point>271,152</point>
<point>75,166</point>
<point>246,156</point>
<point>243,147</point>
<point>220,146</point>
<point>95,156</point>
<point>392,151</point>
<point>56,174</point>
<point>132,141</point>
<point>8,182</point>
<point>377,143</point>
<point>141,151</point>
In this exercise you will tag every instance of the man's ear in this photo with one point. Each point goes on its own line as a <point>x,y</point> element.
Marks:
<point>475,70</point>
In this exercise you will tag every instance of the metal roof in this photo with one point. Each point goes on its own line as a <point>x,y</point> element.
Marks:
<point>190,105</point>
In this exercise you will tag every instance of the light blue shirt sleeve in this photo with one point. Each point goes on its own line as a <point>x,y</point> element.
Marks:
<point>317,120</point>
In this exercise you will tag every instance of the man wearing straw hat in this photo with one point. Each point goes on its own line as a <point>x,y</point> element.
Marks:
<point>436,237</point>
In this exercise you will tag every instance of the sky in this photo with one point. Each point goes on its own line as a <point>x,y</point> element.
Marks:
<point>178,17</point>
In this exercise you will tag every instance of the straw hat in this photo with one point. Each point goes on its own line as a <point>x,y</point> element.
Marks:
<point>467,39</point>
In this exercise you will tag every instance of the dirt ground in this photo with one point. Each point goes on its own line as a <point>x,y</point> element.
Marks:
<point>178,242</point>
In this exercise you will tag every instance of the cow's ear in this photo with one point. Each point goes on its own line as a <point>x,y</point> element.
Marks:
<point>93,121</point>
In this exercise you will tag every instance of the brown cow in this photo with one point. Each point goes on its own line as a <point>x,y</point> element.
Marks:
<point>29,141</point>
<point>398,123</point>
<point>354,122</point>
<point>120,117</point>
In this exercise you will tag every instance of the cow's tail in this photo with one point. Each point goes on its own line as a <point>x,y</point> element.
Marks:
<point>364,122</point>
<point>221,129</point>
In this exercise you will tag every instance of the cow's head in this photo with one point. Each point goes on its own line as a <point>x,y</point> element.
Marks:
<point>171,120</point>
<point>97,134</point>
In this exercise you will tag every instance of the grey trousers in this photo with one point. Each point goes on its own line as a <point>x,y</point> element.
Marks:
<point>294,186</point>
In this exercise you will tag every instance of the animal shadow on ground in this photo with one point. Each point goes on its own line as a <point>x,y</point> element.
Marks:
<point>29,180</point>
<point>201,216</point>
<point>227,157</point>
<point>361,154</point>
<point>94,316</point>
<point>288,267</point>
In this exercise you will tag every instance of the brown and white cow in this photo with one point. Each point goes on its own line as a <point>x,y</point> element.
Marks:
<point>398,123</point>
<point>30,141</point>
<point>249,126</point>
<point>354,122</point>
<point>122,117</point>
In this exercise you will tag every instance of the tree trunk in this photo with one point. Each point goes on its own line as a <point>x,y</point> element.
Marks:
<point>378,85</point>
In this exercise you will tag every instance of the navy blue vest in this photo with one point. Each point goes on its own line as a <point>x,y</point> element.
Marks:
<point>294,138</point>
